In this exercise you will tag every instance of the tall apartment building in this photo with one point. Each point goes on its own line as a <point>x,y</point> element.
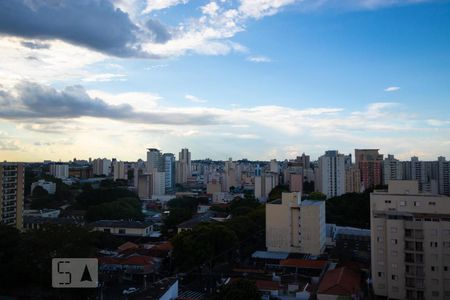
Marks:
<point>119,170</point>
<point>101,167</point>
<point>370,164</point>
<point>392,169</point>
<point>410,242</point>
<point>352,180</point>
<point>12,178</point>
<point>183,166</point>
<point>154,160</point>
<point>293,225</point>
<point>169,171</point>
<point>332,173</point>
<point>443,176</point>
<point>264,184</point>
<point>60,171</point>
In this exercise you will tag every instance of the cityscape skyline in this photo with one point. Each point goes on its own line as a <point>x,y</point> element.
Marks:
<point>255,79</point>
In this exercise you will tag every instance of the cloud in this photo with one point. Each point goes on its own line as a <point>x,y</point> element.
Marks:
<point>260,8</point>
<point>153,5</point>
<point>259,59</point>
<point>392,89</point>
<point>194,99</point>
<point>35,45</point>
<point>30,101</point>
<point>105,77</point>
<point>97,25</point>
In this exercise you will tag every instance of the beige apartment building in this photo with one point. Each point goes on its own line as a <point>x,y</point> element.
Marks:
<point>12,176</point>
<point>410,234</point>
<point>293,225</point>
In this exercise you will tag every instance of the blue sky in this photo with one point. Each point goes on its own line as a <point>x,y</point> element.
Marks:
<point>258,79</point>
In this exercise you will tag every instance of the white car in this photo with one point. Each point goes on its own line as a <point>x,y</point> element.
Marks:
<point>130,290</point>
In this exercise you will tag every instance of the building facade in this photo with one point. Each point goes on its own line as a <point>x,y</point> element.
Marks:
<point>410,242</point>
<point>60,171</point>
<point>332,173</point>
<point>12,179</point>
<point>293,225</point>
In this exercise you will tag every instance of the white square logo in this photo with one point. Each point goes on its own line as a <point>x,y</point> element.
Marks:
<point>74,272</point>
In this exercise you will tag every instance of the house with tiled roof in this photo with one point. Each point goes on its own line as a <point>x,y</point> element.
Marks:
<point>340,283</point>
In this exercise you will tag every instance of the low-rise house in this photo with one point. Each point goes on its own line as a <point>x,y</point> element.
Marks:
<point>126,228</point>
<point>49,186</point>
<point>43,213</point>
<point>33,222</point>
<point>340,283</point>
<point>209,216</point>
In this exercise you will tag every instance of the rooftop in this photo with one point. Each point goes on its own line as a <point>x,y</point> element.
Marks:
<point>270,255</point>
<point>340,281</point>
<point>303,263</point>
<point>121,224</point>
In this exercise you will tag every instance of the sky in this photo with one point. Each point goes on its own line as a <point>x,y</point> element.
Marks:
<point>255,79</point>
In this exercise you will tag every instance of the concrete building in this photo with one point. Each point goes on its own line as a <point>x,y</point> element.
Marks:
<point>49,186</point>
<point>332,174</point>
<point>296,182</point>
<point>410,241</point>
<point>120,170</point>
<point>264,184</point>
<point>230,176</point>
<point>370,164</point>
<point>154,160</point>
<point>101,167</point>
<point>121,227</point>
<point>183,166</point>
<point>352,180</point>
<point>60,171</point>
<point>443,176</point>
<point>293,225</point>
<point>159,183</point>
<point>392,169</point>
<point>145,186</point>
<point>12,178</point>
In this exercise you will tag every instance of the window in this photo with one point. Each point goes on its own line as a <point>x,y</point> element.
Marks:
<point>446,244</point>
<point>434,268</point>
<point>445,268</point>
<point>387,201</point>
<point>394,277</point>
<point>393,229</point>
<point>394,253</point>
<point>433,244</point>
<point>419,246</point>
<point>416,203</point>
<point>435,293</point>
<point>402,203</point>
<point>394,266</point>
<point>431,203</point>
<point>121,231</point>
<point>107,230</point>
<point>434,281</point>
<point>395,289</point>
<point>380,274</point>
<point>379,239</point>
<point>394,241</point>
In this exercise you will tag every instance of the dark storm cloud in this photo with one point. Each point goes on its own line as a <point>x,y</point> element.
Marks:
<point>95,24</point>
<point>31,102</point>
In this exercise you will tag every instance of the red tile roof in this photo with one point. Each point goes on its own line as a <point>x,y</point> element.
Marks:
<point>340,281</point>
<point>127,245</point>
<point>303,263</point>
<point>267,285</point>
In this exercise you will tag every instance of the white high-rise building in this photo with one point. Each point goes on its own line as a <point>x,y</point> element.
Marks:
<point>332,174</point>
<point>60,171</point>
<point>159,183</point>
<point>230,177</point>
<point>293,225</point>
<point>410,242</point>
<point>392,169</point>
<point>12,179</point>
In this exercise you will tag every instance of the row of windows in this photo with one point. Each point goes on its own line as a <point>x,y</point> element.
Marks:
<point>416,203</point>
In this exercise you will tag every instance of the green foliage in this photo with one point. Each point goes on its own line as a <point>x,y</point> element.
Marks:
<point>352,209</point>
<point>205,243</point>
<point>237,205</point>
<point>308,187</point>
<point>176,216</point>
<point>121,209</point>
<point>240,289</point>
<point>90,196</point>
<point>184,202</point>
<point>39,191</point>
<point>276,192</point>
<point>317,196</point>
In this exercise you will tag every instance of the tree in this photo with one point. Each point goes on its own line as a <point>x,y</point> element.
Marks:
<point>240,289</point>
<point>176,216</point>
<point>39,192</point>
<point>90,196</point>
<point>351,209</point>
<point>206,243</point>
<point>276,192</point>
<point>121,209</point>
<point>317,196</point>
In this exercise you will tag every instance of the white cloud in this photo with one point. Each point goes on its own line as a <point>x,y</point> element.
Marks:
<point>194,99</point>
<point>392,89</point>
<point>260,8</point>
<point>105,77</point>
<point>259,59</point>
<point>153,5</point>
